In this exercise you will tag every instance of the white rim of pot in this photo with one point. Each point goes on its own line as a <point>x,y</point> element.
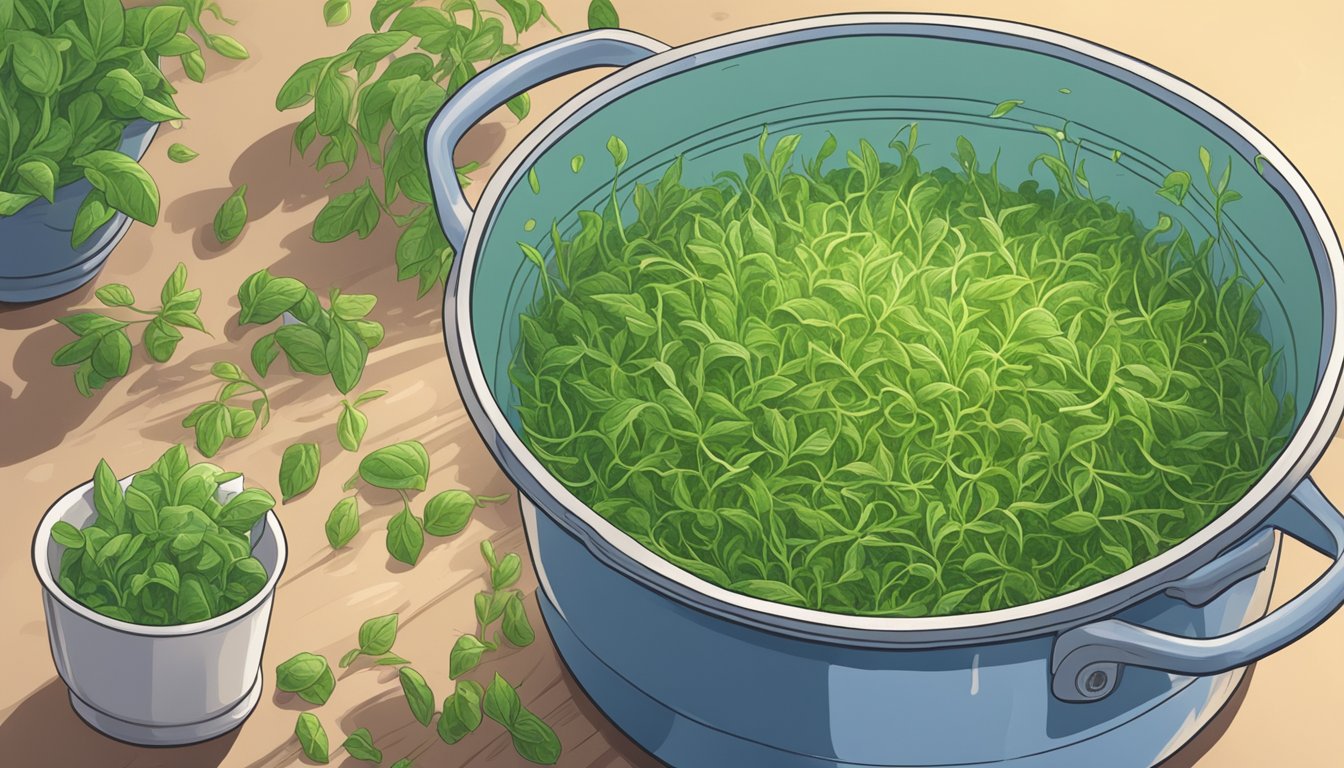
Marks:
<point>42,544</point>
<point>1318,422</point>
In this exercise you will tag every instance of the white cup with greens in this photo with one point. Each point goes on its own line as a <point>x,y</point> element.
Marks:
<point>158,590</point>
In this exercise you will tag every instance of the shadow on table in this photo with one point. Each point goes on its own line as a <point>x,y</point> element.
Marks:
<point>43,730</point>
<point>1190,755</point>
<point>48,407</point>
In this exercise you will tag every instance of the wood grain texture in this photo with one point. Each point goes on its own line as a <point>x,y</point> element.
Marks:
<point>1276,65</point>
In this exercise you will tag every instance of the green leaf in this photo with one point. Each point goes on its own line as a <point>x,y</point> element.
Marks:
<point>263,298</point>
<point>336,12</point>
<point>534,740</point>
<point>449,512</point>
<point>112,357</point>
<point>602,15</point>
<point>466,654</point>
<point>617,149</point>
<point>505,573</point>
<point>312,737</point>
<point>377,635</point>
<point>461,712</point>
<point>39,177</point>
<point>11,203</point>
<point>1004,107</point>
<point>360,746</point>
<point>161,340</point>
<point>299,467</point>
<point>232,215</point>
<point>576,163</point>
<point>243,511</point>
<point>419,696</point>
<point>520,105</point>
<point>405,537</point>
<point>115,295</point>
<point>105,24</point>
<point>303,348</point>
<point>343,522</point>
<point>193,604</point>
<point>126,186</point>
<point>93,213</point>
<point>121,92</point>
<point>264,352</point>
<point>517,628</point>
<point>301,86</point>
<point>501,702</point>
<point>1175,187</point>
<point>346,356</point>
<point>403,465</point>
<point>355,211</point>
<point>67,535</point>
<point>36,62</point>
<point>181,153</point>
<point>384,10</point>
<point>226,46</point>
<point>350,427</point>
<point>1076,522</point>
<point>533,182</point>
<point>300,671</point>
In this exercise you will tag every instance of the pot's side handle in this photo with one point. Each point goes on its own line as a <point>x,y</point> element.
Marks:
<point>1087,661</point>
<point>487,91</point>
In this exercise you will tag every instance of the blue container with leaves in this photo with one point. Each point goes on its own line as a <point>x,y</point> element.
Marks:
<point>1120,673</point>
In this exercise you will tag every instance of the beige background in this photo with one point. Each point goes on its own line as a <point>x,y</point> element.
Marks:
<point>1278,64</point>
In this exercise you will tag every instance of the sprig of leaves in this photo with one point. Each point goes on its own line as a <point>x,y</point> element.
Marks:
<point>376,638</point>
<point>173,547</point>
<point>308,675</point>
<point>378,97</point>
<point>219,419</point>
<point>103,349</point>
<point>497,602</point>
<point>334,340</point>
<point>80,74</point>
<point>533,739</point>
<point>404,467</point>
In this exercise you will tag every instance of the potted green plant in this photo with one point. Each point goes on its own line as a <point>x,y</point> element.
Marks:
<point>158,591</point>
<point>81,96</point>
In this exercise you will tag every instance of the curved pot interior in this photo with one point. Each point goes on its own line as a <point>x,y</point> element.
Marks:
<point>822,82</point>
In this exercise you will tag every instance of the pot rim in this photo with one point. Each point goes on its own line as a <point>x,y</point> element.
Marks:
<point>1308,442</point>
<point>42,543</point>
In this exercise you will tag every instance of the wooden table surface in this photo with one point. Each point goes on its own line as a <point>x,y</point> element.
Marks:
<point>1277,65</point>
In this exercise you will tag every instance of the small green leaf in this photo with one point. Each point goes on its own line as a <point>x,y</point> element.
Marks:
<point>181,153</point>
<point>93,213</point>
<point>336,12</point>
<point>263,298</point>
<point>405,537</point>
<point>115,295</point>
<point>1175,187</point>
<point>312,737</point>
<point>360,746</point>
<point>226,46</point>
<point>343,522</point>
<point>419,696</point>
<point>449,512</point>
<point>403,465</point>
<point>39,177</point>
<point>533,182</point>
<point>351,426</point>
<point>576,163</point>
<point>466,654</point>
<point>517,628</point>
<point>1004,107</point>
<point>602,15</point>
<point>461,712</point>
<point>126,186</point>
<point>377,635</point>
<point>299,468</point>
<point>505,573</point>
<point>232,216</point>
<point>67,535</point>
<point>618,152</point>
<point>501,702</point>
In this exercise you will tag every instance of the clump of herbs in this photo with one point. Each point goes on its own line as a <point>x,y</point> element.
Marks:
<point>73,76</point>
<point>222,418</point>
<point>884,390</point>
<point>380,94</point>
<point>172,548</point>
<point>334,340</point>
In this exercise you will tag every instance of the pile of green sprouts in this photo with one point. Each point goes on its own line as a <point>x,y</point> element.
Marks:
<point>889,391</point>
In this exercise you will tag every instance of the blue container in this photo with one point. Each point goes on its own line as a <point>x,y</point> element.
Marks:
<point>37,261</point>
<point>1120,673</point>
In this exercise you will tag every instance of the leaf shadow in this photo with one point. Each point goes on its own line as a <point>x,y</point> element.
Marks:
<point>48,407</point>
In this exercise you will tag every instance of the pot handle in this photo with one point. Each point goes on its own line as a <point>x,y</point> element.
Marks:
<point>1088,660</point>
<point>485,92</point>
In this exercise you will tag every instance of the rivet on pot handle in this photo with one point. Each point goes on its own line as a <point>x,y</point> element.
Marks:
<point>1088,660</point>
<point>487,91</point>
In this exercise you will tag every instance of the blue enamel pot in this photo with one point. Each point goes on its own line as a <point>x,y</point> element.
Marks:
<point>37,260</point>
<point>1120,673</point>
